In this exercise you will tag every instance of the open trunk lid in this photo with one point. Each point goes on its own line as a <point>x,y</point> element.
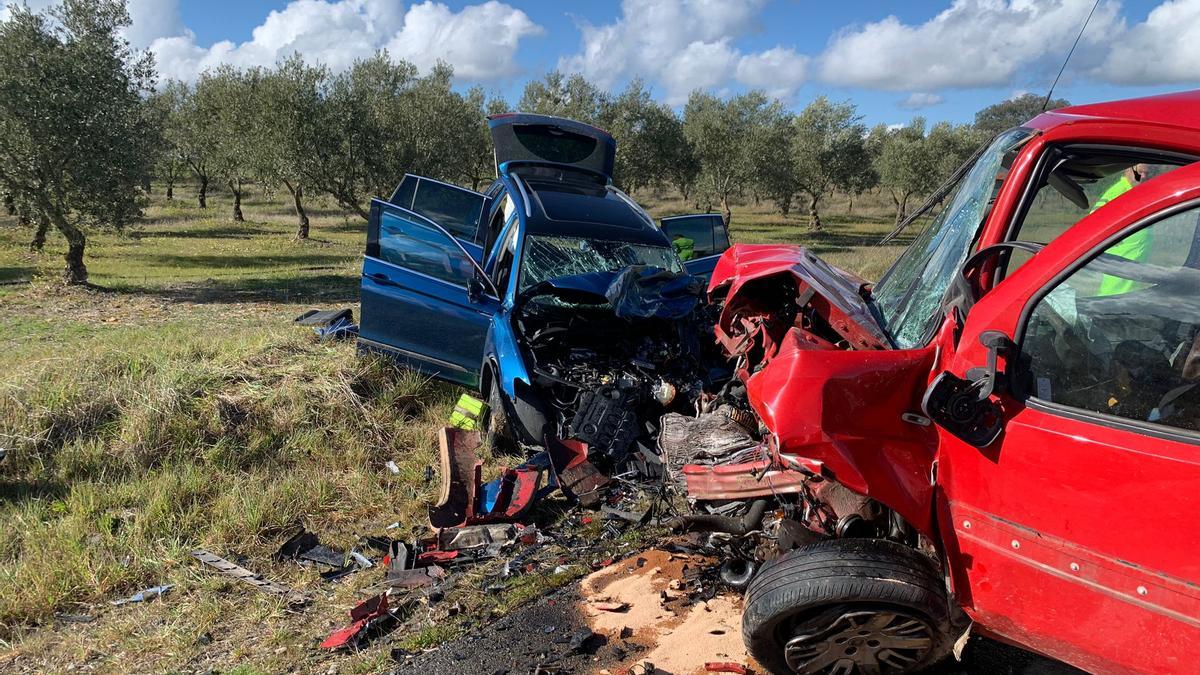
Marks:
<point>542,139</point>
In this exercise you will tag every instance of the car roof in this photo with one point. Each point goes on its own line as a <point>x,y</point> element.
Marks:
<point>606,214</point>
<point>1180,109</point>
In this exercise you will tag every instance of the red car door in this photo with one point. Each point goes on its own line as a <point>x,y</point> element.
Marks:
<point>1076,532</point>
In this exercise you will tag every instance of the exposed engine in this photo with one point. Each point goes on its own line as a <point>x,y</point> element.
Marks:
<point>609,379</point>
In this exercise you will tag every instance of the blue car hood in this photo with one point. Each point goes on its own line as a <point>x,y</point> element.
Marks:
<point>636,292</point>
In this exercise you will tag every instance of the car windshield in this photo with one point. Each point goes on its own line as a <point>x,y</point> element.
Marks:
<point>908,297</point>
<point>548,257</point>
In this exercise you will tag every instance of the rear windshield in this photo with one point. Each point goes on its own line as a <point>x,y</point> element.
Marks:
<point>555,145</point>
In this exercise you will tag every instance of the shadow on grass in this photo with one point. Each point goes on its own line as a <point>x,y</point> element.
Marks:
<point>25,490</point>
<point>16,275</point>
<point>316,289</point>
<point>250,261</point>
<point>231,231</point>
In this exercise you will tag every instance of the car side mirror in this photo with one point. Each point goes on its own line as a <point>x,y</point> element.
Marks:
<point>964,407</point>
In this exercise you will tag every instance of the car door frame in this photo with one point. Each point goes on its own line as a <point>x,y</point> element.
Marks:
<point>985,525</point>
<point>702,266</point>
<point>473,246</point>
<point>455,302</point>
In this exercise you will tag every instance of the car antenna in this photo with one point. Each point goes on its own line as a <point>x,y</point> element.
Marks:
<point>1069,53</point>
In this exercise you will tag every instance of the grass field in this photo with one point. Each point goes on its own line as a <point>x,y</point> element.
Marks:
<point>172,406</point>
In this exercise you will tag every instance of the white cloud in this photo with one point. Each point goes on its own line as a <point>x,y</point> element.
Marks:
<point>683,45</point>
<point>1165,49</point>
<point>918,100</point>
<point>974,43</point>
<point>480,41</point>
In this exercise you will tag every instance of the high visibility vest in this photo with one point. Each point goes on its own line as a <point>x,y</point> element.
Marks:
<point>685,248</point>
<point>1134,247</point>
<point>466,413</point>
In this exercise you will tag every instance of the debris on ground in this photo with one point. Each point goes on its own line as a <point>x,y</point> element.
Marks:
<point>366,615</point>
<point>329,324</point>
<point>293,598</point>
<point>144,595</point>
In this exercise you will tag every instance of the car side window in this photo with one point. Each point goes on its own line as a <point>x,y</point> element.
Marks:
<point>419,247</point>
<point>454,208</point>
<point>504,260</point>
<point>697,228</point>
<point>1121,335</point>
<point>1081,182</point>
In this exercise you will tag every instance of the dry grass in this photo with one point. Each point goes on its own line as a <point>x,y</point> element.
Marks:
<point>173,407</point>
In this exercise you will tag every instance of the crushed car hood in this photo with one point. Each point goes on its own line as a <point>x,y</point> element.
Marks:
<point>636,292</point>
<point>848,312</point>
<point>822,376</point>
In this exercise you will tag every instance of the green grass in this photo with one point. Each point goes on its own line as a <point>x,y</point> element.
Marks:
<point>171,406</point>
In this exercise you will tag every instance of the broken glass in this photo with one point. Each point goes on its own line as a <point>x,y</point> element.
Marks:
<point>548,257</point>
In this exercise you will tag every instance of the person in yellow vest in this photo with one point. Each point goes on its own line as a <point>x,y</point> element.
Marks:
<point>1136,246</point>
<point>685,248</point>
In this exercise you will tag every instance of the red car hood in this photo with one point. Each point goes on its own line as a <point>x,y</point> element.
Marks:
<point>822,375</point>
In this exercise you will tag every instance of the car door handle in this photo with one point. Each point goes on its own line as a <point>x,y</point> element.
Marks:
<point>381,278</point>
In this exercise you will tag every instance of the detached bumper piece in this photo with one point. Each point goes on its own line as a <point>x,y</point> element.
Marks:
<point>368,614</point>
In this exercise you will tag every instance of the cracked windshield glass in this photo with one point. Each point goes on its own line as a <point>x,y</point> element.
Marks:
<point>908,296</point>
<point>551,257</point>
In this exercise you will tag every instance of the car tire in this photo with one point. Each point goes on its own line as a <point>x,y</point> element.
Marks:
<point>497,430</point>
<point>839,605</point>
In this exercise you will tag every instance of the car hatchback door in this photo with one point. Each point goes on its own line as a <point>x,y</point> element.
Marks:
<point>1075,531</point>
<point>424,300</point>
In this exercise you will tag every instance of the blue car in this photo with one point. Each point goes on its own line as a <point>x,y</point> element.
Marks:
<point>552,293</point>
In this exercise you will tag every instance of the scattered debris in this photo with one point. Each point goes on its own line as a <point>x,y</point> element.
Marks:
<point>391,466</point>
<point>329,324</point>
<point>725,667</point>
<point>305,546</point>
<point>240,573</point>
<point>610,606</point>
<point>367,613</point>
<point>144,595</point>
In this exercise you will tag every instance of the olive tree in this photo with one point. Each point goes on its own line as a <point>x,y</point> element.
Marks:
<point>721,133</point>
<point>1014,112</point>
<point>907,165</point>
<point>287,128</point>
<point>229,98</point>
<point>166,107</point>
<point>75,134</point>
<point>571,97</point>
<point>830,151</point>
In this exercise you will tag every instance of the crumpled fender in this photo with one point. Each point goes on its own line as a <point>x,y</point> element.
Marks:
<point>844,408</point>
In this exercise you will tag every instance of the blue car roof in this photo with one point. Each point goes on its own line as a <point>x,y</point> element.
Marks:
<point>598,216</point>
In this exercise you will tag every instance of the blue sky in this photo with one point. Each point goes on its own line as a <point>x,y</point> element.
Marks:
<point>943,59</point>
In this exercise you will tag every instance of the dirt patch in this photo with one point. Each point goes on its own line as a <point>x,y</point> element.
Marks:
<point>679,633</point>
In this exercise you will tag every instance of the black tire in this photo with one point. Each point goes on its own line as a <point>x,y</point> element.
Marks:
<point>497,430</point>
<point>829,602</point>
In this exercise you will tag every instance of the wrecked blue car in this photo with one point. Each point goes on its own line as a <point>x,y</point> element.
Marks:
<point>552,293</point>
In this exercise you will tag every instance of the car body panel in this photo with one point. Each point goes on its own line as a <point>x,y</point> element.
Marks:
<point>459,210</point>
<point>1042,512</point>
<point>428,308</point>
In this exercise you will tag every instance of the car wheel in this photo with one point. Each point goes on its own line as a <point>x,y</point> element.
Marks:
<point>497,431</point>
<point>847,606</point>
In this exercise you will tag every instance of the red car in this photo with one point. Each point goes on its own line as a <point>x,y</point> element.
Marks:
<point>1002,435</point>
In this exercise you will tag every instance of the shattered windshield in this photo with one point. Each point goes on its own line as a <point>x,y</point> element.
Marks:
<point>548,257</point>
<point>909,295</point>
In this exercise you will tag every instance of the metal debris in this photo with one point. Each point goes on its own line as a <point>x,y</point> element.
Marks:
<point>144,595</point>
<point>242,574</point>
<point>367,613</point>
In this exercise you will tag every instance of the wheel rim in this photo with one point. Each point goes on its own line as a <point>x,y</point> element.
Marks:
<point>846,641</point>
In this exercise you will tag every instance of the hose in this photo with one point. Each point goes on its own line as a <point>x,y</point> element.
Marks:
<point>710,523</point>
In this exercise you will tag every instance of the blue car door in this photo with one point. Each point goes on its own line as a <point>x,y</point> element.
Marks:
<point>459,210</point>
<point>424,301</point>
<point>708,234</point>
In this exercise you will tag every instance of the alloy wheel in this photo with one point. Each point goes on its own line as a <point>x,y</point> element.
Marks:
<point>844,641</point>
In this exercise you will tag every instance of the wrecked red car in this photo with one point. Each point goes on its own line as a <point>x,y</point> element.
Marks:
<point>1000,437</point>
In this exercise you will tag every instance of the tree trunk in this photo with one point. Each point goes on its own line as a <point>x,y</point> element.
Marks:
<point>850,206</point>
<point>813,213</point>
<point>301,216</point>
<point>10,205</point>
<point>901,207</point>
<point>39,233</point>
<point>202,195</point>
<point>76,272</point>
<point>236,189</point>
<point>728,215</point>
<point>170,190</point>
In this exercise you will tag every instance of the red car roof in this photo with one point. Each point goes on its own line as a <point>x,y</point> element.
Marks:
<point>1180,109</point>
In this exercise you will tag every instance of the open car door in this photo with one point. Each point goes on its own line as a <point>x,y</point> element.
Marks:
<point>459,210</point>
<point>424,302</point>
<point>708,237</point>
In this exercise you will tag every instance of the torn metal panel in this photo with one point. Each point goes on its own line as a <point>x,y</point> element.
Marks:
<point>578,478</point>
<point>760,478</point>
<point>475,537</point>
<point>362,617</point>
<point>461,472</point>
<point>306,546</point>
<point>709,438</point>
<point>254,579</point>
<point>420,577</point>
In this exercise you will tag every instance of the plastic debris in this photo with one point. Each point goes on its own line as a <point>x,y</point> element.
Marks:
<point>305,546</point>
<point>363,616</point>
<point>144,595</point>
<point>242,574</point>
<point>725,667</point>
<point>391,466</point>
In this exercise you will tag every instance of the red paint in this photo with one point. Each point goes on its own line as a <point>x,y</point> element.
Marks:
<point>725,667</point>
<point>1072,538</point>
<point>361,616</point>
